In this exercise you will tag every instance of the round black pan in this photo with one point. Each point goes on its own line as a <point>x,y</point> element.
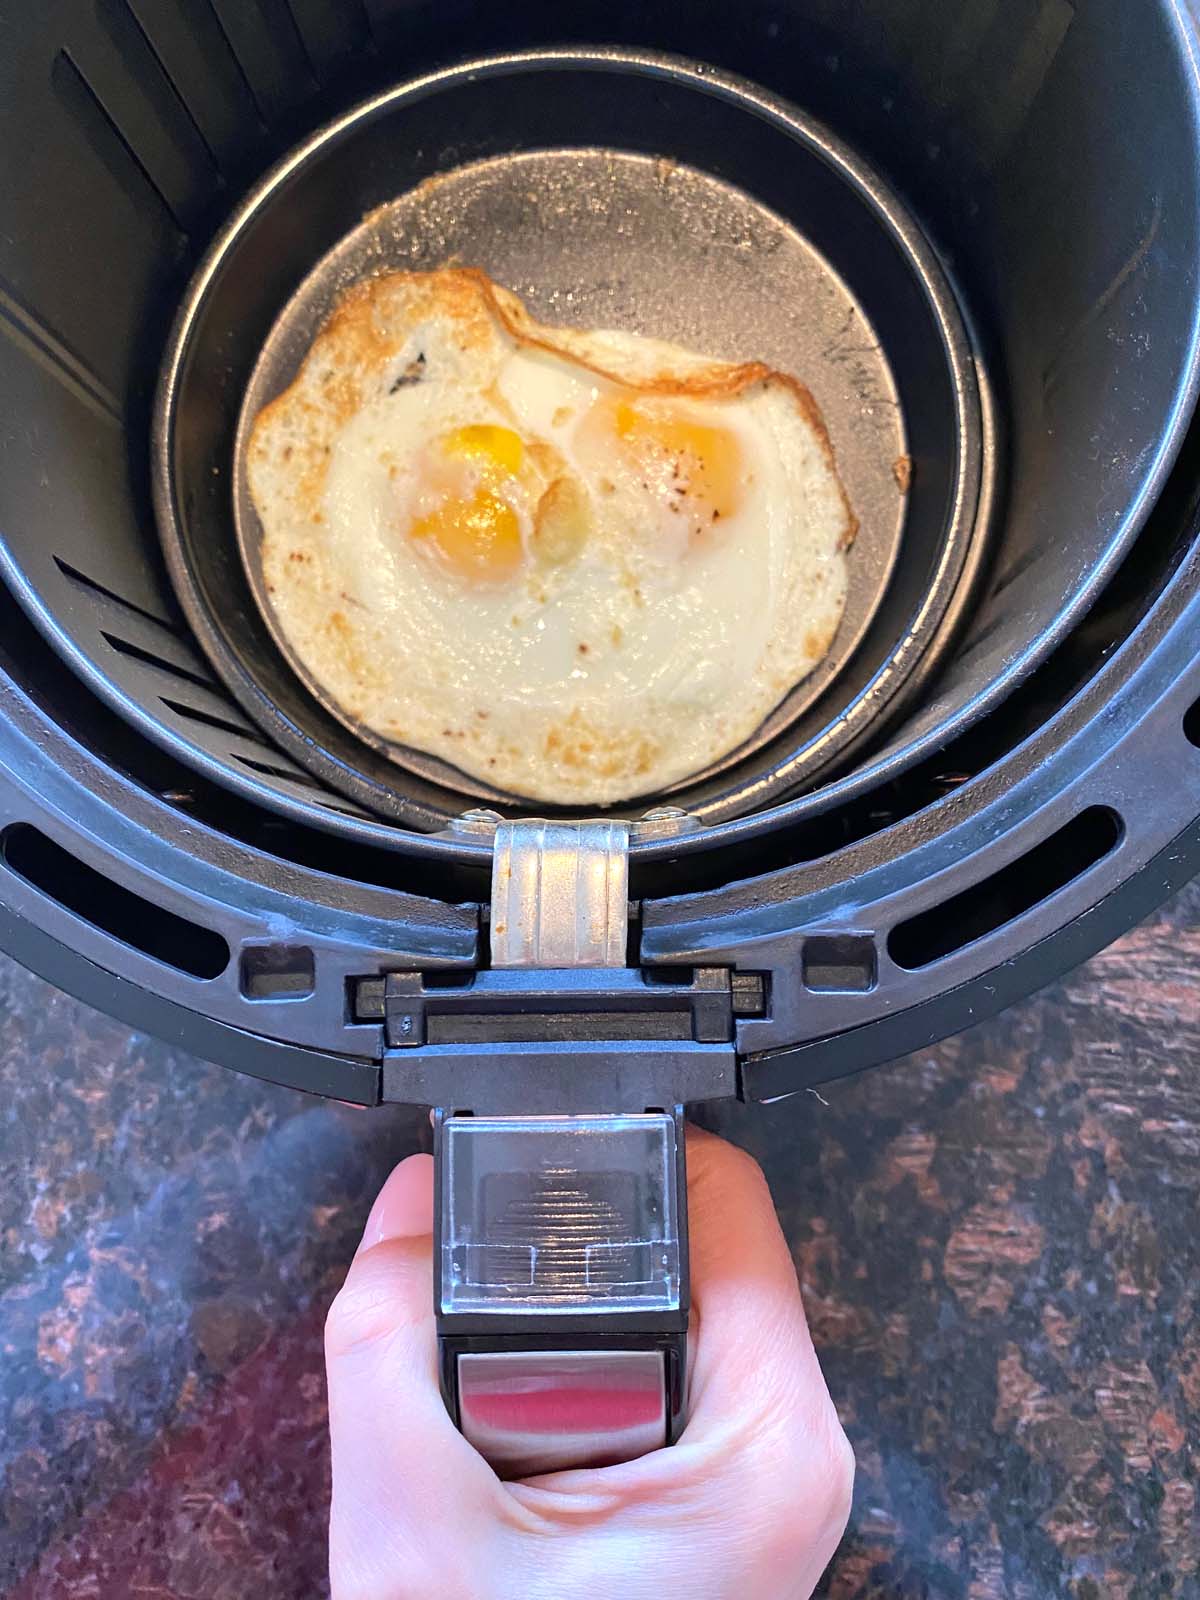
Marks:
<point>609,190</point>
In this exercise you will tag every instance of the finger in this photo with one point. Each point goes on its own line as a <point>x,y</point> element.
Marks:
<point>403,1208</point>
<point>398,1460</point>
<point>758,1393</point>
<point>753,1352</point>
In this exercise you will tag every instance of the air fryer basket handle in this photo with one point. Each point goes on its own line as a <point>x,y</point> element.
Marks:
<point>561,1236</point>
<point>561,1285</point>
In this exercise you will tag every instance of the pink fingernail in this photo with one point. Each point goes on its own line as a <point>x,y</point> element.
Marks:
<point>403,1208</point>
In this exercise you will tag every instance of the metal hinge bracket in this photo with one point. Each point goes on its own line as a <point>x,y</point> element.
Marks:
<point>560,894</point>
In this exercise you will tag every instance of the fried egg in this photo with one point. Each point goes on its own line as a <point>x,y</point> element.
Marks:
<point>579,566</point>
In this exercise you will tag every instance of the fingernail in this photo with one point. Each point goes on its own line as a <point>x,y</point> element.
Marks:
<point>403,1208</point>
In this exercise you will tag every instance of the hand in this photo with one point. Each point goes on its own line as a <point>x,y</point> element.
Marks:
<point>750,1502</point>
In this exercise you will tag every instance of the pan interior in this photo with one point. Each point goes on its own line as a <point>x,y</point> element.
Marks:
<point>595,237</point>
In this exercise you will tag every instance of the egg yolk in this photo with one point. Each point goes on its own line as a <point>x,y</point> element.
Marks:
<point>497,451</point>
<point>696,466</point>
<point>477,536</point>
<point>473,530</point>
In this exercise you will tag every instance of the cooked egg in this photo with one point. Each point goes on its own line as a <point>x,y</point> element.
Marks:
<point>581,567</point>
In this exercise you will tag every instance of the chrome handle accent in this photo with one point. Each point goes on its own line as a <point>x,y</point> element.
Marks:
<point>551,1410</point>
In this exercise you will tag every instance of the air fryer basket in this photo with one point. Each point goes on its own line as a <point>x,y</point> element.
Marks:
<point>177,853</point>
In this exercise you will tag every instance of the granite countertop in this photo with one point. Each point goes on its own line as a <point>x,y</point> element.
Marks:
<point>997,1238</point>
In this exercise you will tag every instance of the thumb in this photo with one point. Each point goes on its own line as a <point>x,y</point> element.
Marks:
<point>398,1460</point>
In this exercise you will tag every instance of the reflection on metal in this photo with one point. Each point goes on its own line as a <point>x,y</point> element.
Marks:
<point>479,822</point>
<point>551,1410</point>
<point>664,822</point>
<point>560,894</point>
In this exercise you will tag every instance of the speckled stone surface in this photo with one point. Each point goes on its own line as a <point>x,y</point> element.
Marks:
<point>997,1237</point>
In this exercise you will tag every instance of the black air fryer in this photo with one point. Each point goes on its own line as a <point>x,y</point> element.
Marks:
<point>973,230</point>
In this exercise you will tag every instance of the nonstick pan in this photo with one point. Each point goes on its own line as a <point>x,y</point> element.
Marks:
<point>609,189</point>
